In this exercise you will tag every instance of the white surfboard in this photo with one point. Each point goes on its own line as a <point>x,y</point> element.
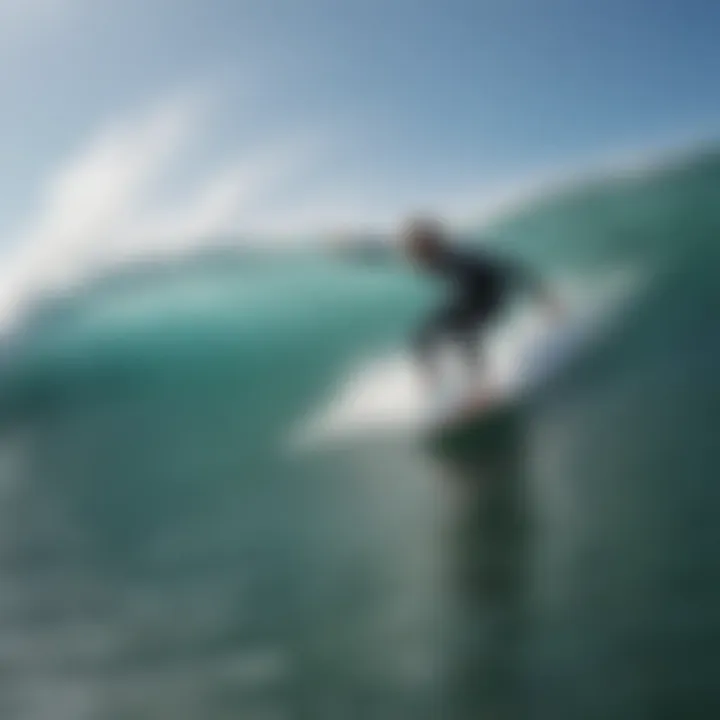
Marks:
<point>386,398</point>
<point>543,358</point>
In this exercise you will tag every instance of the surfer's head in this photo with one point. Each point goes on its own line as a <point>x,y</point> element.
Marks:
<point>424,240</point>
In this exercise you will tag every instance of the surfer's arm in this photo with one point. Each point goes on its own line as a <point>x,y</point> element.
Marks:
<point>368,249</point>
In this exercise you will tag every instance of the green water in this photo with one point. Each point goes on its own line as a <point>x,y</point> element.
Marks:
<point>163,555</point>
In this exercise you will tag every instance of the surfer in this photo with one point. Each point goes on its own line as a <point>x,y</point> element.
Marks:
<point>481,284</point>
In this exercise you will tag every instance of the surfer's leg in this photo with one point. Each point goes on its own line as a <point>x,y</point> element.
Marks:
<point>429,338</point>
<point>469,340</point>
<point>424,346</point>
<point>470,330</point>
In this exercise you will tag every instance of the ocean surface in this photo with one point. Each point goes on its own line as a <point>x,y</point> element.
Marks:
<point>167,551</point>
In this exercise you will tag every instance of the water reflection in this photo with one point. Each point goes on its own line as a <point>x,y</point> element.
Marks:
<point>489,581</point>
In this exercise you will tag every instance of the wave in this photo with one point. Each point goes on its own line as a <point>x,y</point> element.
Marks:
<point>318,314</point>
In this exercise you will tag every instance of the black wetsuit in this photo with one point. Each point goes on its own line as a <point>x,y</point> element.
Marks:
<point>480,285</point>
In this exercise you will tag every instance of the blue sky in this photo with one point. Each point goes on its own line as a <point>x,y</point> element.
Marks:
<point>149,122</point>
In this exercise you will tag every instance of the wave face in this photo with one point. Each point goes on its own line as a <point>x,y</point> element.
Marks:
<point>163,556</point>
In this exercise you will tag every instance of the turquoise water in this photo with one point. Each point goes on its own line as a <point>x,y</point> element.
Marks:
<point>164,555</point>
